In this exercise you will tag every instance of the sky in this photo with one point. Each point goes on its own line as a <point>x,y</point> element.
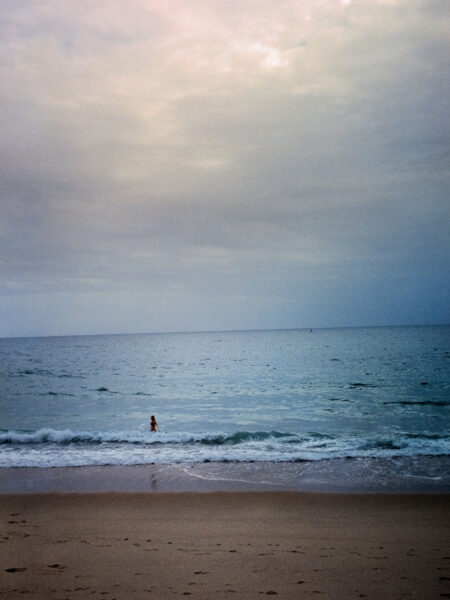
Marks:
<point>174,165</point>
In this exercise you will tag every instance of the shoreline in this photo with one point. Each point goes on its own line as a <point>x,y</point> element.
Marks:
<point>427,475</point>
<point>288,544</point>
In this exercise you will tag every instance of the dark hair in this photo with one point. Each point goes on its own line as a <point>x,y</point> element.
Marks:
<point>152,417</point>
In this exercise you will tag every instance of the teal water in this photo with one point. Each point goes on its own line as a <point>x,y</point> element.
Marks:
<point>283,396</point>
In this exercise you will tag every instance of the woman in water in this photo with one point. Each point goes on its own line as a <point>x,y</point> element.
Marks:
<point>153,424</point>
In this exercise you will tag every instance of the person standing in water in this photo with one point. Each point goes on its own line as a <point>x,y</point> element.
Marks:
<point>153,424</point>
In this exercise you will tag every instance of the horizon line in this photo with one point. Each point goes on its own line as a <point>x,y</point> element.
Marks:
<point>200,331</point>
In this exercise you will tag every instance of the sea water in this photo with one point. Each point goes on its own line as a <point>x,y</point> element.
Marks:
<point>305,397</point>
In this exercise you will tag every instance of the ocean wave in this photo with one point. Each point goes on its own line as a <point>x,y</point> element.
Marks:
<point>67,436</point>
<point>51,448</point>
<point>384,444</point>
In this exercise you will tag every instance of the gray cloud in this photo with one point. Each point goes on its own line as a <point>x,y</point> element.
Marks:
<point>208,165</point>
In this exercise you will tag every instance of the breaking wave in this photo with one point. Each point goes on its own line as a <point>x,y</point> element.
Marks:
<point>67,436</point>
<point>50,447</point>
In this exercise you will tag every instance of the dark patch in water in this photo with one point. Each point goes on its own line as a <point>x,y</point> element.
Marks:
<point>320,436</point>
<point>383,445</point>
<point>243,436</point>
<point>425,436</point>
<point>421,403</point>
<point>35,372</point>
<point>354,386</point>
<point>102,389</point>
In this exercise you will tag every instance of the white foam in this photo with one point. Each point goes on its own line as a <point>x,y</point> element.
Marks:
<point>49,447</point>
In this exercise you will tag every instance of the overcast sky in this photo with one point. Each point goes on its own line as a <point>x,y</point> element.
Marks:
<point>173,165</point>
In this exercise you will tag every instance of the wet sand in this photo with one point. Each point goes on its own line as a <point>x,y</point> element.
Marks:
<point>214,545</point>
<point>420,474</point>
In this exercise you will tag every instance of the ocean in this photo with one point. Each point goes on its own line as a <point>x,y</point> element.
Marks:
<point>365,403</point>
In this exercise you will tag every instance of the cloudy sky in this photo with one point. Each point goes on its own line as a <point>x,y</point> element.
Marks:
<point>173,165</point>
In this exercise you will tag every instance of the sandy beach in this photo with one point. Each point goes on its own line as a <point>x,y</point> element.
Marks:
<point>212,545</point>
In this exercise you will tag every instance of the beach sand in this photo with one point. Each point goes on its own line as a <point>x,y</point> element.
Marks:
<point>222,545</point>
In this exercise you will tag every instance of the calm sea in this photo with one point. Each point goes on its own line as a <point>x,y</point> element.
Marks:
<point>295,396</point>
